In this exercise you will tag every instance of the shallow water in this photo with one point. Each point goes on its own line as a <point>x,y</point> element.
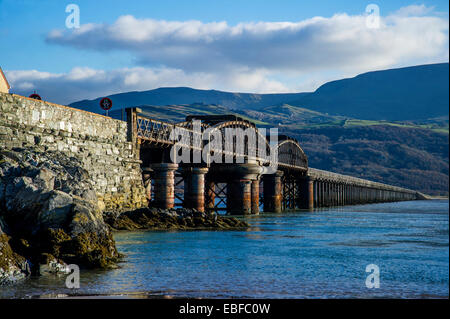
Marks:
<point>320,254</point>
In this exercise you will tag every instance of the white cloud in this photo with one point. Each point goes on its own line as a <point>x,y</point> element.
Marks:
<point>340,42</point>
<point>86,83</point>
<point>414,10</point>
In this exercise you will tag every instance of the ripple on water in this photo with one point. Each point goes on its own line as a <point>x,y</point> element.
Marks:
<point>322,254</point>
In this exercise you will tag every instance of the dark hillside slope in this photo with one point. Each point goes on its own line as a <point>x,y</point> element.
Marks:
<point>185,95</point>
<point>418,92</point>
<point>408,157</point>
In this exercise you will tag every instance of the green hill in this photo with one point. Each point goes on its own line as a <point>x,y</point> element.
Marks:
<point>412,93</point>
<point>185,95</point>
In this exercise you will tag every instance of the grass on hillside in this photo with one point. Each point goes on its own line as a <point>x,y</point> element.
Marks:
<point>442,129</point>
<point>354,122</point>
<point>283,116</point>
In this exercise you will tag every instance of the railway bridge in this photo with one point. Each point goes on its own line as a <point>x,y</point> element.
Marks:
<point>224,162</point>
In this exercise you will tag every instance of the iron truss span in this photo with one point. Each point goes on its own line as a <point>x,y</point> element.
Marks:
<point>212,132</point>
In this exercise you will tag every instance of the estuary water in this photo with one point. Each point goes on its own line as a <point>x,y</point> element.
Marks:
<point>301,254</point>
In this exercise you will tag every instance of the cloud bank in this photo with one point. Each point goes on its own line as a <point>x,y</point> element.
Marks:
<point>86,83</point>
<point>342,41</point>
<point>257,57</point>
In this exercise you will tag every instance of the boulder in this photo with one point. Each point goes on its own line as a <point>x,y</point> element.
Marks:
<point>13,267</point>
<point>57,210</point>
<point>49,214</point>
<point>49,264</point>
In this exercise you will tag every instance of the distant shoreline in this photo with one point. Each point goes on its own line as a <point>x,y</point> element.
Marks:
<point>150,295</point>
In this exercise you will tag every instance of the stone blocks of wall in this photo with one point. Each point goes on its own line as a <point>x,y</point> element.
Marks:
<point>98,141</point>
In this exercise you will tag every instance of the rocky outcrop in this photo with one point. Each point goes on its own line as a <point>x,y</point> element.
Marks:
<point>181,218</point>
<point>12,266</point>
<point>50,215</point>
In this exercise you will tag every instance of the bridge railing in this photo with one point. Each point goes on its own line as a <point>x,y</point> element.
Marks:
<point>154,130</point>
<point>253,147</point>
<point>335,177</point>
<point>186,135</point>
<point>157,131</point>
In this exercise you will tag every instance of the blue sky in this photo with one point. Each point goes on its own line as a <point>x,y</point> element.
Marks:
<point>228,45</point>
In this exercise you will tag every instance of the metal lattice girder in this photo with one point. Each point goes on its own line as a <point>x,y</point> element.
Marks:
<point>179,191</point>
<point>219,193</point>
<point>291,192</point>
<point>288,151</point>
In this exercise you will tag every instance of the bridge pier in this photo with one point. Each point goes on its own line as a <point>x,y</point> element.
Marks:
<point>335,194</point>
<point>239,197</point>
<point>322,194</point>
<point>307,193</point>
<point>194,187</point>
<point>272,190</point>
<point>164,184</point>
<point>255,196</point>
<point>331,184</point>
<point>327,194</point>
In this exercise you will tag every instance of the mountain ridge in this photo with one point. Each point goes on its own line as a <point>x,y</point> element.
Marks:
<point>187,95</point>
<point>409,93</point>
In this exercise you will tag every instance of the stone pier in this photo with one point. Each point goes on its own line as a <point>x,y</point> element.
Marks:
<point>272,190</point>
<point>307,193</point>
<point>164,184</point>
<point>239,197</point>
<point>255,197</point>
<point>194,187</point>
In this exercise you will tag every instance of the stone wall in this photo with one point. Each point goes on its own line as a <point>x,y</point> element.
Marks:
<point>99,142</point>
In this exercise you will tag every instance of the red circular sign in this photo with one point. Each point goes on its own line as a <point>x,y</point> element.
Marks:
<point>106,103</point>
<point>35,96</point>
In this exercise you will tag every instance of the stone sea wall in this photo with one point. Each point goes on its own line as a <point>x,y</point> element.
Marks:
<point>99,142</point>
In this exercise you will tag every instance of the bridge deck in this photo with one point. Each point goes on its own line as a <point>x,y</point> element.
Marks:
<point>318,174</point>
